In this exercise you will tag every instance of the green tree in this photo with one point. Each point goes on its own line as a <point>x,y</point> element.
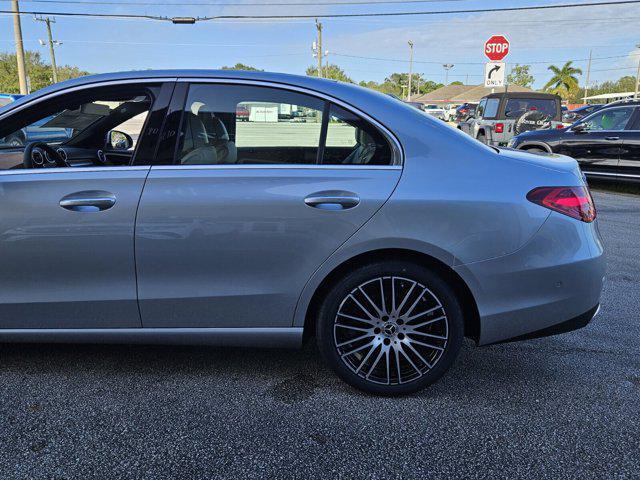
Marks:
<point>39,72</point>
<point>564,81</point>
<point>242,66</point>
<point>331,71</point>
<point>520,75</point>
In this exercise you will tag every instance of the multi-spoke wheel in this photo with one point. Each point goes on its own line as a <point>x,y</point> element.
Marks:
<point>390,327</point>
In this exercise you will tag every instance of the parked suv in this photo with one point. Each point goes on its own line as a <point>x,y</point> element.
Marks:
<point>501,116</point>
<point>605,143</point>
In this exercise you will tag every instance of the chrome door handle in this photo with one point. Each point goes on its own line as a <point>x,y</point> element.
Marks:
<point>332,200</point>
<point>88,201</point>
<point>612,138</point>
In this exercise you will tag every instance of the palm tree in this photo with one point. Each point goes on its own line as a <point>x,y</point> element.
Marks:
<point>564,80</point>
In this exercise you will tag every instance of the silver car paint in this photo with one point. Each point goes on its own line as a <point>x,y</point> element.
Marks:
<point>458,201</point>
<point>67,269</point>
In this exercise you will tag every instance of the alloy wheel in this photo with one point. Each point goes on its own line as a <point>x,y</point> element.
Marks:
<point>391,330</point>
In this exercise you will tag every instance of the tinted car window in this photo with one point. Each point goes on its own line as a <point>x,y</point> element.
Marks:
<point>608,119</point>
<point>353,141</point>
<point>518,106</point>
<point>245,125</point>
<point>480,108</point>
<point>491,108</point>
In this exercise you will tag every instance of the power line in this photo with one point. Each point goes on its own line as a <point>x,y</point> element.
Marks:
<point>251,4</point>
<point>480,63</point>
<point>327,15</point>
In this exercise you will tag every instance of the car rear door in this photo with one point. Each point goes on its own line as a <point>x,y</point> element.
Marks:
<point>630,151</point>
<point>231,228</point>
<point>66,235</point>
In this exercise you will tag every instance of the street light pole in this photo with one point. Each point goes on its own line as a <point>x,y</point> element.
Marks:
<point>586,85</point>
<point>52,44</point>
<point>410,69</point>
<point>447,67</point>
<point>319,29</point>
<point>17,33</point>
<point>637,75</point>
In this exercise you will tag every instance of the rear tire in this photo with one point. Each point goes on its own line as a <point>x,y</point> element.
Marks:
<point>482,138</point>
<point>390,328</point>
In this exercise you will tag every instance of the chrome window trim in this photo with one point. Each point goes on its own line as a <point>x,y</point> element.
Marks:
<point>39,171</point>
<point>397,150</point>
<point>279,166</point>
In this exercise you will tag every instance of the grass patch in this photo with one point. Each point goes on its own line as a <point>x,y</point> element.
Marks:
<point>614,186</point>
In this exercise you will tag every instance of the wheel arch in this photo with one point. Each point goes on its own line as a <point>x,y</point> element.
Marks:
<point>461,289</point>
<point>529,145</point>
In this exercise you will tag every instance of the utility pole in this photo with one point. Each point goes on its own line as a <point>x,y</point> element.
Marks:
<point>319,47</point>
<point>635,95</point>
<point>447,67</point>
<point>410,69</point>
<point>17,33</point>
<point>586,85</point>
<point>52,43</point>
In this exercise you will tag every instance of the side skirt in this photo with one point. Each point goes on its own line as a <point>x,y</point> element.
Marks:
<point>224,337</point>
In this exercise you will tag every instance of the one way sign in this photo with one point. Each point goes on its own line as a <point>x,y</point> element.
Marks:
<point>494,74</point>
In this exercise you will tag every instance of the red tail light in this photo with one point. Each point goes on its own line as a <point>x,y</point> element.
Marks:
<point>499,127</point>
<point>560,126</point>
<point>575,202</point>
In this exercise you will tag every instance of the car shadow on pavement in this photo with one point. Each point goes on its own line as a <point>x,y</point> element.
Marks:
<point>288,376</point>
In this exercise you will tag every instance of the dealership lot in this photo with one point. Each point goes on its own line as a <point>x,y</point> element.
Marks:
<point>561,406</point>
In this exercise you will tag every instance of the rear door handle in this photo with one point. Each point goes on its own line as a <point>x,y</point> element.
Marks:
<point>88,201</point>
<point>332,200</point>
<point>611,139</point>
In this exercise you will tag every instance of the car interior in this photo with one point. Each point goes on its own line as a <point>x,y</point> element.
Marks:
<point>213,136</point>
<point>99,128</point>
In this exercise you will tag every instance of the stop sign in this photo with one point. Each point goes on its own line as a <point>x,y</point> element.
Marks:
<point>496,48</point>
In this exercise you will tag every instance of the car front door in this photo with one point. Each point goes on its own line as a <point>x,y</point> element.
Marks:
<point>596,141</point>
<point>230,231</point>
<point>67,233</point>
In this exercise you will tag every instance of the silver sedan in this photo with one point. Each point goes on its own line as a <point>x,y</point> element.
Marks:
<point>258,209</point>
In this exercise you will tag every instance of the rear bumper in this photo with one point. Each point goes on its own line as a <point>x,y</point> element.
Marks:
<point>570,325</point>
<point>543,287</point>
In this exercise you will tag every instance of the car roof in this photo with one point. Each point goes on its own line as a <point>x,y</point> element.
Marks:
<point>523,95</point>
<point>347,92</point>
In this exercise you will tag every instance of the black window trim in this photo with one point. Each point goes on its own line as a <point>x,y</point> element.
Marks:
<point>181,92</point>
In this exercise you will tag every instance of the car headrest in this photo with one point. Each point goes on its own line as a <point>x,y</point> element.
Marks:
<point>219,131</point>
<point>363,138</point>
<point>195,132</point>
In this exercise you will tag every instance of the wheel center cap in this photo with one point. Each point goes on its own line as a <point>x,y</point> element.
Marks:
<point>390,329</point>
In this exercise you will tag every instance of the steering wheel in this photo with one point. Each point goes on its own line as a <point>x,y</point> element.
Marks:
<point>41,155</point>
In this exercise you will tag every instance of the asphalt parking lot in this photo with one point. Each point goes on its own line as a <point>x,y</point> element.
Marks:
<point>560,407</point>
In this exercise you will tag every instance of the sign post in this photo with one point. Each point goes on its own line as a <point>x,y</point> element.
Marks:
<point>496,49</point>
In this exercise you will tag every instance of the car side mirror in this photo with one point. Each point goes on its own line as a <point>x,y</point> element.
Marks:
<point>579,128</point>
<point>117,140</point>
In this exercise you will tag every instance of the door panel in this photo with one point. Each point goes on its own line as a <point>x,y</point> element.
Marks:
<point>63,265</point>
<point>234,246</point>
<point>592,149</point>
<point>630,153</point>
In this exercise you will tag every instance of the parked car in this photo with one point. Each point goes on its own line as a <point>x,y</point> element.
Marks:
<point>242,113</point>
<point>417,105</point>
<point>7,98</point>
<point>605,143</point>
<point>384,233</point>
<point>434,111</point>
<point>38,131</point>
<point>465,111</point>
<point>450,112</point>
<point>501,116</point>
<point>576,114</point>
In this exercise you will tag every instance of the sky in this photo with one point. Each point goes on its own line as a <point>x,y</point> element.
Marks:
<point>539,38</point>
